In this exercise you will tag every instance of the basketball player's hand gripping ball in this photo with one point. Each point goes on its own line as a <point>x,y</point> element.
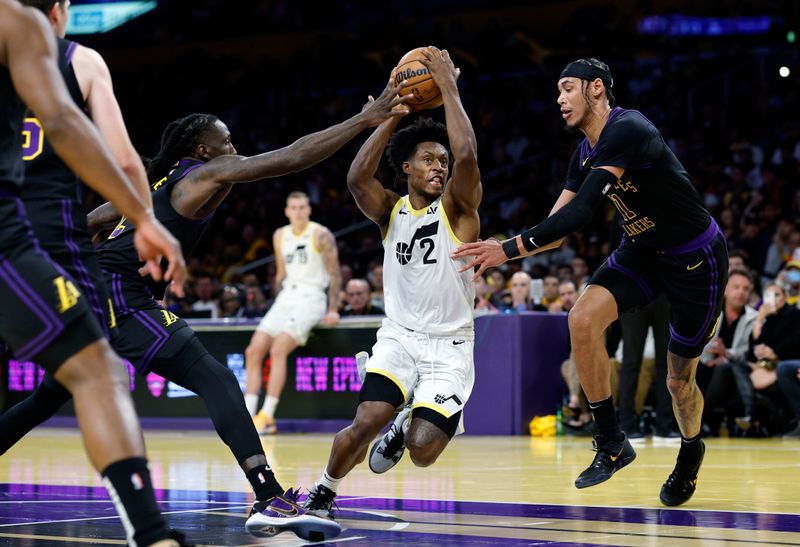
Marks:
<point>390,104</point>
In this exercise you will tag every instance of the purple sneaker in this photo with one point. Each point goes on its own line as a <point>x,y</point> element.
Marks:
<point>281,513</point>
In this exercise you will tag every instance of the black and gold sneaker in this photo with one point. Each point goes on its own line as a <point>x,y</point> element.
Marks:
<point>610,457</point>
<point>681,484</point>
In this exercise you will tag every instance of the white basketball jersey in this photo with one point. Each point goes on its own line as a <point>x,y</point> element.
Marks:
<point>422,288</point>
<point>301,257</point>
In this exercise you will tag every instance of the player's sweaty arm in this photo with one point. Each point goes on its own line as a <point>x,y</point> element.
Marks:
<point>32,63</point>
<point>372,198</point>
<point>306,151</point>
<point>464,188</point>
<point>572,216</point>
<point>31,59</point>
<point>94,80</point>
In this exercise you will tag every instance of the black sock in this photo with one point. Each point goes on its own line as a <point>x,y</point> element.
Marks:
<point>264,483</point>
<point>605,417</point>
<point>690,448</point>
<point>128,483</point>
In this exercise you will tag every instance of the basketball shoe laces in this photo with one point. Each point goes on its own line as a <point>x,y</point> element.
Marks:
<point>260,506</point>
<point>394,444</point>
<point>321,498</point>
<point>606,456</point>
<point>683,476</point>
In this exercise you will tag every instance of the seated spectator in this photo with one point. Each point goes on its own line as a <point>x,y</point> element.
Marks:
<point>565,272</point>
<point>789,382</point>
<point>567,295</point>
<point>774,338</point>
<point>357,296</point>
<point>521,292</point>
<point>738,260</point>
<point>203,288</point>
<point>482,304</point>
<point>732,336</point>
<point>496,281</point>
<point>580,272</point>
<point>791,282</point>
<point>230,302</point>
<point>375,277</point>
<point>550,291</point>
<point>255,301</point>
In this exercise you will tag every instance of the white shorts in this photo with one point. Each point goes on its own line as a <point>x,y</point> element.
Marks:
<point>296,310</point>
<point>438,370</point>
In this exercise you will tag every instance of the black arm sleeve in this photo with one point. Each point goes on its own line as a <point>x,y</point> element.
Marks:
<point>571,217</point>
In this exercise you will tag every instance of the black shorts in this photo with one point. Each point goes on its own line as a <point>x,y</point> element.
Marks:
<point>146,332</point>
<point>692,275</point>
<point>60,226</point>
<point>44,316</point>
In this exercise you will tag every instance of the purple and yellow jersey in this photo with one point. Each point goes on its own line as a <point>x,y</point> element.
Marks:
<point>47,177</point>
<point>119,256</point>
<point>656,199</point>
<point>11,136</point>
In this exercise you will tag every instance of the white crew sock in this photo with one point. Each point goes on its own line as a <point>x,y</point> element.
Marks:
<point>251,402</point>
<point>270,404</point>
<point>328,482</point>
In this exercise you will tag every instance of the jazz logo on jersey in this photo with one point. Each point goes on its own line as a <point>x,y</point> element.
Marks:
<point>169,317</point>
<point>33,139</point>
<point>424,234</point>
<point>300,253</point>
<point>67,293</point>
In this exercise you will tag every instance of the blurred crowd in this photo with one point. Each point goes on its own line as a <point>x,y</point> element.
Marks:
<point>719,102</point>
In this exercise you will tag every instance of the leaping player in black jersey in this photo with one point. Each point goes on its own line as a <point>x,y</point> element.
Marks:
<point>671,245</point>
<point>44,317</point>
<point>192,174</point>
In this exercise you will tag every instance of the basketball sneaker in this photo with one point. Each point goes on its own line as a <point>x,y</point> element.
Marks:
<point>320,501</point>
<point>361,361</point>
<point>388,450</point>
<point>265,425</point>
<point>610,457</point>
<point>281,513</point>
<point>681,484</point>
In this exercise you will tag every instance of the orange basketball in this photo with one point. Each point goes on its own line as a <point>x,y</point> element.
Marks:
<point>420,82</point>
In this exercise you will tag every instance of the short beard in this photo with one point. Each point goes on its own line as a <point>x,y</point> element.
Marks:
<point>572,130</point>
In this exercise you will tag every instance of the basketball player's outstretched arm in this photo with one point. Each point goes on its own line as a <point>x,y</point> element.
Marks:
<point>29,51</point>
<point>463,192</point>
<point>94,79</point>
<point>375,201</point>
<point>208,185</point>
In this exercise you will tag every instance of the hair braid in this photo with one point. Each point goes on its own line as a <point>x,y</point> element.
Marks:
<point>178,140</point>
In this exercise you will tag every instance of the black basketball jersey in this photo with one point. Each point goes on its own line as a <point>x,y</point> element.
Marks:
<point>656,199</point>
<point>46,175</point>
<point>11,137</point>
<point>118,254</point>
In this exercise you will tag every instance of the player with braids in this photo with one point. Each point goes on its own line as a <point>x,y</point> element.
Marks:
<point>191,175</point>
<point>178,140</point>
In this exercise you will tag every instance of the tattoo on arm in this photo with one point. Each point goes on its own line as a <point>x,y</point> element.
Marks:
<point>330,256</point>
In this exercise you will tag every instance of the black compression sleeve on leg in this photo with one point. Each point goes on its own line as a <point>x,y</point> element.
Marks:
<point>39,406</point>
<point>573,216</point>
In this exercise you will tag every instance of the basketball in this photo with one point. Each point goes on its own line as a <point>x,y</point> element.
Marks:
<point>420,82</point>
